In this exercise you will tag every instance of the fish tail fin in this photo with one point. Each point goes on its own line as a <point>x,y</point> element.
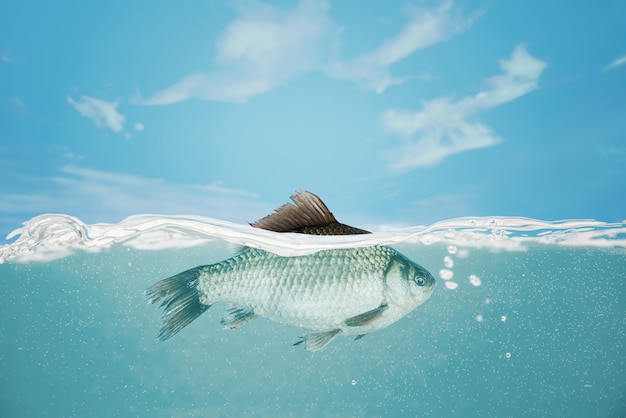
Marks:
<point>181,301</point>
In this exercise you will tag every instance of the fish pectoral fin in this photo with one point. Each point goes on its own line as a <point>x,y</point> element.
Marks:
<point>366,318</point>
<point>237,316</point>
<point>358,337</point>
<point>317,340</point>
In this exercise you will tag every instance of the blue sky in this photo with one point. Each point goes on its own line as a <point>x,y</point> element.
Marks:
<point>397,112</point>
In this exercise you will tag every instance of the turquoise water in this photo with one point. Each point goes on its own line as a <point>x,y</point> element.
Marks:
<point>528,319</point>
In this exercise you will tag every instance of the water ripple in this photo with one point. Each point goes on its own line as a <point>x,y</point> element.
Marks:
<point>48,237</point>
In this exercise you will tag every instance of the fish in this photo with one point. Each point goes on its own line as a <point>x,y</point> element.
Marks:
<point>350,291</point>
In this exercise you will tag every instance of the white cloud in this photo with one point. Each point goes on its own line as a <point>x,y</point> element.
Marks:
<point>616,64</point>
<point>264,47</point>
<point>426,28</point>
<point>104,114</point>
<point>139,127</point>
<point>444,127</point>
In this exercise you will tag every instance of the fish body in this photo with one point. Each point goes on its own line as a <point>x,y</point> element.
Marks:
<point>352,291</point>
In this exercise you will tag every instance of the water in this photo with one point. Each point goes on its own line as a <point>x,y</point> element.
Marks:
<point>528,319</point>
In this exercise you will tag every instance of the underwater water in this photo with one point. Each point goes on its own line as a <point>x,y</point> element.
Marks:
<point>528,319</point>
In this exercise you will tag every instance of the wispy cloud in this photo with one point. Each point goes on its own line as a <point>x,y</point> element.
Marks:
<point>7,57</point>
<point>616,64</point>
<point>104,114</point>
<point>71,156</point>
<point>100,196</point>
<point>445,126</point>
<point>264,47</point>
<point>217,187</point>
<point>18,102</point>
<point>18,106</point>
<point>425,28</point>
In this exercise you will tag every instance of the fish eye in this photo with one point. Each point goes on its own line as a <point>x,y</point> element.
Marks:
<point>420,281</point>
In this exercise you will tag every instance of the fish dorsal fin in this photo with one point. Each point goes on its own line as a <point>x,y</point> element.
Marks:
<point>309,215</point>
<point>308,211</point>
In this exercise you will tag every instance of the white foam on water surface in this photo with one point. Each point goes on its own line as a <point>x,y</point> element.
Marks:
<point>52,236</point>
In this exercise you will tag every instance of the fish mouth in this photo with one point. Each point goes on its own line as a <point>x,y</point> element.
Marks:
<point>431,289</point>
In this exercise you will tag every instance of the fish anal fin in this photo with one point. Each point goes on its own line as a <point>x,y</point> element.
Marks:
<point>315,341</point>
<point>366,318</point>
<point>308,215</point>
<point>237,316</point>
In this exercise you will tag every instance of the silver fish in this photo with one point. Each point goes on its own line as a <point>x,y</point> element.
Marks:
<point>352,291</point>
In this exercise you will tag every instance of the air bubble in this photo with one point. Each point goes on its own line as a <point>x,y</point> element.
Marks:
<point>448,262</point>
<point>445,274</point>
<point>507,355</point>
<point>451,285</point>
<point>479,318</point>
<point>353,382</point>
<point>503,318</point>
<point>452,249</point>
<point>463,253</point>
<point>475,280</point>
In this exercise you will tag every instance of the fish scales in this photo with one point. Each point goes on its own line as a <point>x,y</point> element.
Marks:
<point>317,291</point>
